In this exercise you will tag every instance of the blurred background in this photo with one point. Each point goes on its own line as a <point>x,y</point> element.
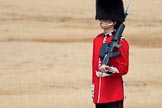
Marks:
<point>46,47</point>
<point>50,20</point>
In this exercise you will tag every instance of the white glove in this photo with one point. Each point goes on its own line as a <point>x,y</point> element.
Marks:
<point>101,74</point>
<point>104,68</point>
<point>112,70</point>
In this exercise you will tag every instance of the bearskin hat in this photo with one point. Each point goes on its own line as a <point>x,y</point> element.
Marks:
<point>110,10</point>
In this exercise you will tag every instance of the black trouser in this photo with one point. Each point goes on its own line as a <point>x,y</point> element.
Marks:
<point>118,104</point>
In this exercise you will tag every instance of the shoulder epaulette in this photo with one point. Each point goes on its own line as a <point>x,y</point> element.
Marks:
<point>122,38</point>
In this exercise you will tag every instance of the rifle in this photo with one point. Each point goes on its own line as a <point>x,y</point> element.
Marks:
<point>106,51</point>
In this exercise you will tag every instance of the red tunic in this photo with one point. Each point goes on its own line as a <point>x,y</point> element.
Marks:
<point>109,89</point>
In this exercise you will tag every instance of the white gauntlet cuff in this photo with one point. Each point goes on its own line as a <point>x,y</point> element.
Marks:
<point>112,70</point>
<point>101,74</point>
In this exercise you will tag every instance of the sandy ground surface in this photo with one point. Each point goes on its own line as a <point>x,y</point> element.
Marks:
<point>47,75</point>
<point>45,53</point>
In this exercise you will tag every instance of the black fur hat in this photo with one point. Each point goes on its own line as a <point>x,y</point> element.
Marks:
<point>110,10</point>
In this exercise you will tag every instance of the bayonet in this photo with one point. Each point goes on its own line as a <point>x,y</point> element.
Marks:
<point>127,9</point>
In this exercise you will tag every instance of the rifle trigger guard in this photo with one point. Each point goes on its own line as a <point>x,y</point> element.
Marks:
<point>118,45</point>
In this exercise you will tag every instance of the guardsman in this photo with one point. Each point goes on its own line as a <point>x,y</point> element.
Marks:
<point>108,89</point>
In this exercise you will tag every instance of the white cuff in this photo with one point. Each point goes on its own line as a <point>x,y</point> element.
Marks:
<point>112,71</point>
<point>101,74</point>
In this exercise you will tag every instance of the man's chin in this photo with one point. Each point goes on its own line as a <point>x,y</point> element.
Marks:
<point>105,27</point>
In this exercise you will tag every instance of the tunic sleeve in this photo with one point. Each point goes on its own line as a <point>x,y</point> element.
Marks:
<point>122,62</point>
